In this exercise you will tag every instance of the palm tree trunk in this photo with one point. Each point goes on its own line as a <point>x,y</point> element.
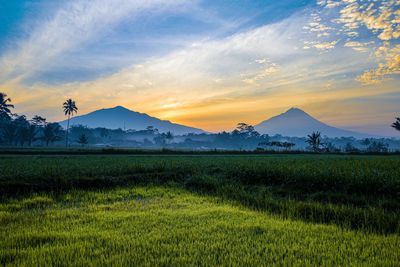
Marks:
<point>66,140</point>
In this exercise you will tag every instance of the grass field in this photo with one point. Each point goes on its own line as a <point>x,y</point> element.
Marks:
<point>199,210</point>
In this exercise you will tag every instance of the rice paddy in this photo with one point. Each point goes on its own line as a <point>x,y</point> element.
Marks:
<point>199,210</point>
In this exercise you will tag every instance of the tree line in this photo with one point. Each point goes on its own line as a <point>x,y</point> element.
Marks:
<point>17,130</point>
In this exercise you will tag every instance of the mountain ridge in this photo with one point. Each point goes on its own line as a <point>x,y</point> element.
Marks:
<point>296,122</point>
<point>121,117</point>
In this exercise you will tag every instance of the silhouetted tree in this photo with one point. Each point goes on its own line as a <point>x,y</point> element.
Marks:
<point>349,148</point>
<point>52,132</point>
<point>24,133</point>
<point>245,130</point>
<point>378,146</point>
<point>169,137</point>
<point>38,121</point>
<point>285,145</point>
<point>160,139</point>
<point>365,142</point>
<point>5,112</point>
<point>69,108</point>
<point>31,133</point>
<point>314,140</point>
<point>396,124</point>
<point>83,140</point>
<point>9,131</point>
<point>151,130</point>
<point>330,147</point>
<point>104,132</point>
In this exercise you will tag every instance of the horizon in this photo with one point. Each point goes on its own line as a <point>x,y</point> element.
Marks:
<point>287,111</point>
<point>204,64</point>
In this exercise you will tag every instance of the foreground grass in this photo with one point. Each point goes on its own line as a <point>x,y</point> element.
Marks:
<point>169,226</point>
<point>354,192</point>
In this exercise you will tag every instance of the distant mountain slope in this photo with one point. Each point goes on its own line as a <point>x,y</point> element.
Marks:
<point>297,123</point>
<point>120,117</point>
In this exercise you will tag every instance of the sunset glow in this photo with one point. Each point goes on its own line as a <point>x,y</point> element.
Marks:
<point>206,64</point>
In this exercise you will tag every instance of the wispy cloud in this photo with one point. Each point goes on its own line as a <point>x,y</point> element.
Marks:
<point>206,79</point>
<point>264,62</point>
<point>74,24</point>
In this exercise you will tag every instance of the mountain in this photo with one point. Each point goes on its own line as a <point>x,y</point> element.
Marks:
<point>297,123</point>
<point>120,117</point>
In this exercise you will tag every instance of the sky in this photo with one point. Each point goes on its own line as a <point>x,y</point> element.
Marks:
<point>208,64</point>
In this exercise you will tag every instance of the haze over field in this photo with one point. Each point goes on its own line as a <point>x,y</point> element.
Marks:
<point>206,64</point>
<point>294,122</point>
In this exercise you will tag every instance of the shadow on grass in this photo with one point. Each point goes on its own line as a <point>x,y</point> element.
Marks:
<point>364,212</point>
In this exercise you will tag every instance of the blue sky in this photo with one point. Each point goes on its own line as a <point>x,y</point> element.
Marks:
<point>206,63</point>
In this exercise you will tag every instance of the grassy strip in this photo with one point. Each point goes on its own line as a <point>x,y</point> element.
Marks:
<point>168,226</point>
<point>353,192</point>
<point>168,151</point>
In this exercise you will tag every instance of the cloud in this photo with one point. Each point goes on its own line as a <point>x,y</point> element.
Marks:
<point>264,62</point>
<point>215,81</point>
<point>267,68</point>
<point>358,46</point>
<point>378,17</point>
<point>381,19</point>
<point>325,45</point>
<point>76,23</point>
<point>389,67</point>
<point>328,3</point>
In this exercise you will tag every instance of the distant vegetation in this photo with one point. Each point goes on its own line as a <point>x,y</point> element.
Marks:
<point>18,131</point>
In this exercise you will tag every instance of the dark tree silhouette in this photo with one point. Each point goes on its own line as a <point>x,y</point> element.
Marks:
<point>169,137</point>
<point>52,132</point>
<point>396,124</point>
<point>38,121</point>
<point>152,130</point>
<point>69,108</point>
<point>83,140</point>
<point>365,142</point>
<point>24,133</point>
<point>245,130</point>
<point>5,112</point>
<point>9,132</point>
<point>285,145</point>
<point>314,140</point>
<point>104,132</point>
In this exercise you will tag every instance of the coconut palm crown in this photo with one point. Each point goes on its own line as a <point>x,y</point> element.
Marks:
<point>69,108</point>
<point>5,106</point>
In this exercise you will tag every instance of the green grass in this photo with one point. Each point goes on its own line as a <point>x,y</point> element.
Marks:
<point>166,226</point>
<point>199,210</point>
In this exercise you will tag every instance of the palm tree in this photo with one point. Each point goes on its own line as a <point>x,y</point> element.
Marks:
<point>396,124</point>
<point>314,140</point>
<point>69,108</point>
<point>5,111</point>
